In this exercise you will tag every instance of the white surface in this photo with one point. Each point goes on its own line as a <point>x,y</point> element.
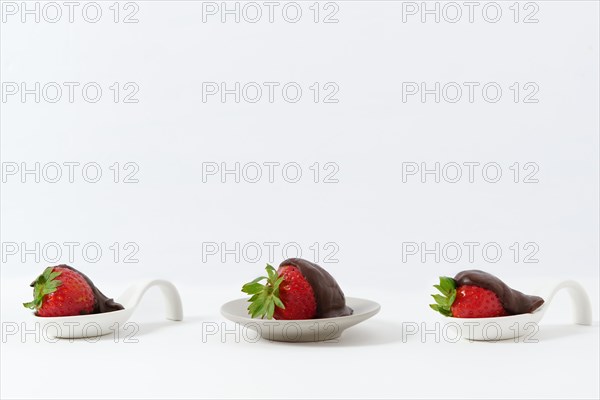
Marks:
<point>372,359</point>
<point>170,213</point>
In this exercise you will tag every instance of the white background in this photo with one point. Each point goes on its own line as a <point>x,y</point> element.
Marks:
<point>367,215</point>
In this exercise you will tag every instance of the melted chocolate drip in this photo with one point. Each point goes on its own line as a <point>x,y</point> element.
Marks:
<point>330,298</point>
<point>102,304</point>
<point>513,301</point>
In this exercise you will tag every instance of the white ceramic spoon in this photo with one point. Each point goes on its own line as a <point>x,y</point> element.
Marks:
<point>91,325</point>
<point>514,326</point>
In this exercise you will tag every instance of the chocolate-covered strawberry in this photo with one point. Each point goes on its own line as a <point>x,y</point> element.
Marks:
<point>298,289</point>
<point>478,294</point>
<point>63,291</point>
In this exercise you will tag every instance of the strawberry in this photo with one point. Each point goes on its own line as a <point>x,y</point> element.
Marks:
<point>71,295</point>
<point>466,301</point>
<point>285,295</point>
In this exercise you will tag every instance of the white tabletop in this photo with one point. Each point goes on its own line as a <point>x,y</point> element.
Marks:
<point>205,356</point>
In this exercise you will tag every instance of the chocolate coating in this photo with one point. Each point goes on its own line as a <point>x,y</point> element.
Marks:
<point>513,301</point>
<point>330,298</point>
<point>102,304</point>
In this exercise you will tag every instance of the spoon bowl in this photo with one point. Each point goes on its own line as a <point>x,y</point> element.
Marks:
<point>92,325</point>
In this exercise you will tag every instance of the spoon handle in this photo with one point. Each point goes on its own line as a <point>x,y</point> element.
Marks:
<point>581,302</point>
<point>132,296</point>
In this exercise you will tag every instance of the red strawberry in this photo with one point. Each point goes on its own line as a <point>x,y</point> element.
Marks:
<point>466,301</point>
<point>71,295</point>
<point>286,295</point>
<point>476,302</point>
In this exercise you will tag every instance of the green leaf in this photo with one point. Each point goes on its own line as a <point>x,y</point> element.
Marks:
<point>452,297</point>
<point>441,300</point>
<point>445,312</point>
<point>264,297</point>
<point>278,302</point>
<point>253,306</point>
<point>44,285</point>
<point>447,284</point>
<point>30,305</point>
<point>46,274</point>
<point>253,288</point>
<point>277,283</point>
<point>260,278</point>
<point>54,275</point>
<point>271,272</point>
<point>444,301</point>
<point>261,310</point>
<point>270,310</point>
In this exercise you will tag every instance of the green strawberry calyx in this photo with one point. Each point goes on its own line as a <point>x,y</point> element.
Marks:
<point>45,284</point>
<point>444,301</point>
<point>264,297</point>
